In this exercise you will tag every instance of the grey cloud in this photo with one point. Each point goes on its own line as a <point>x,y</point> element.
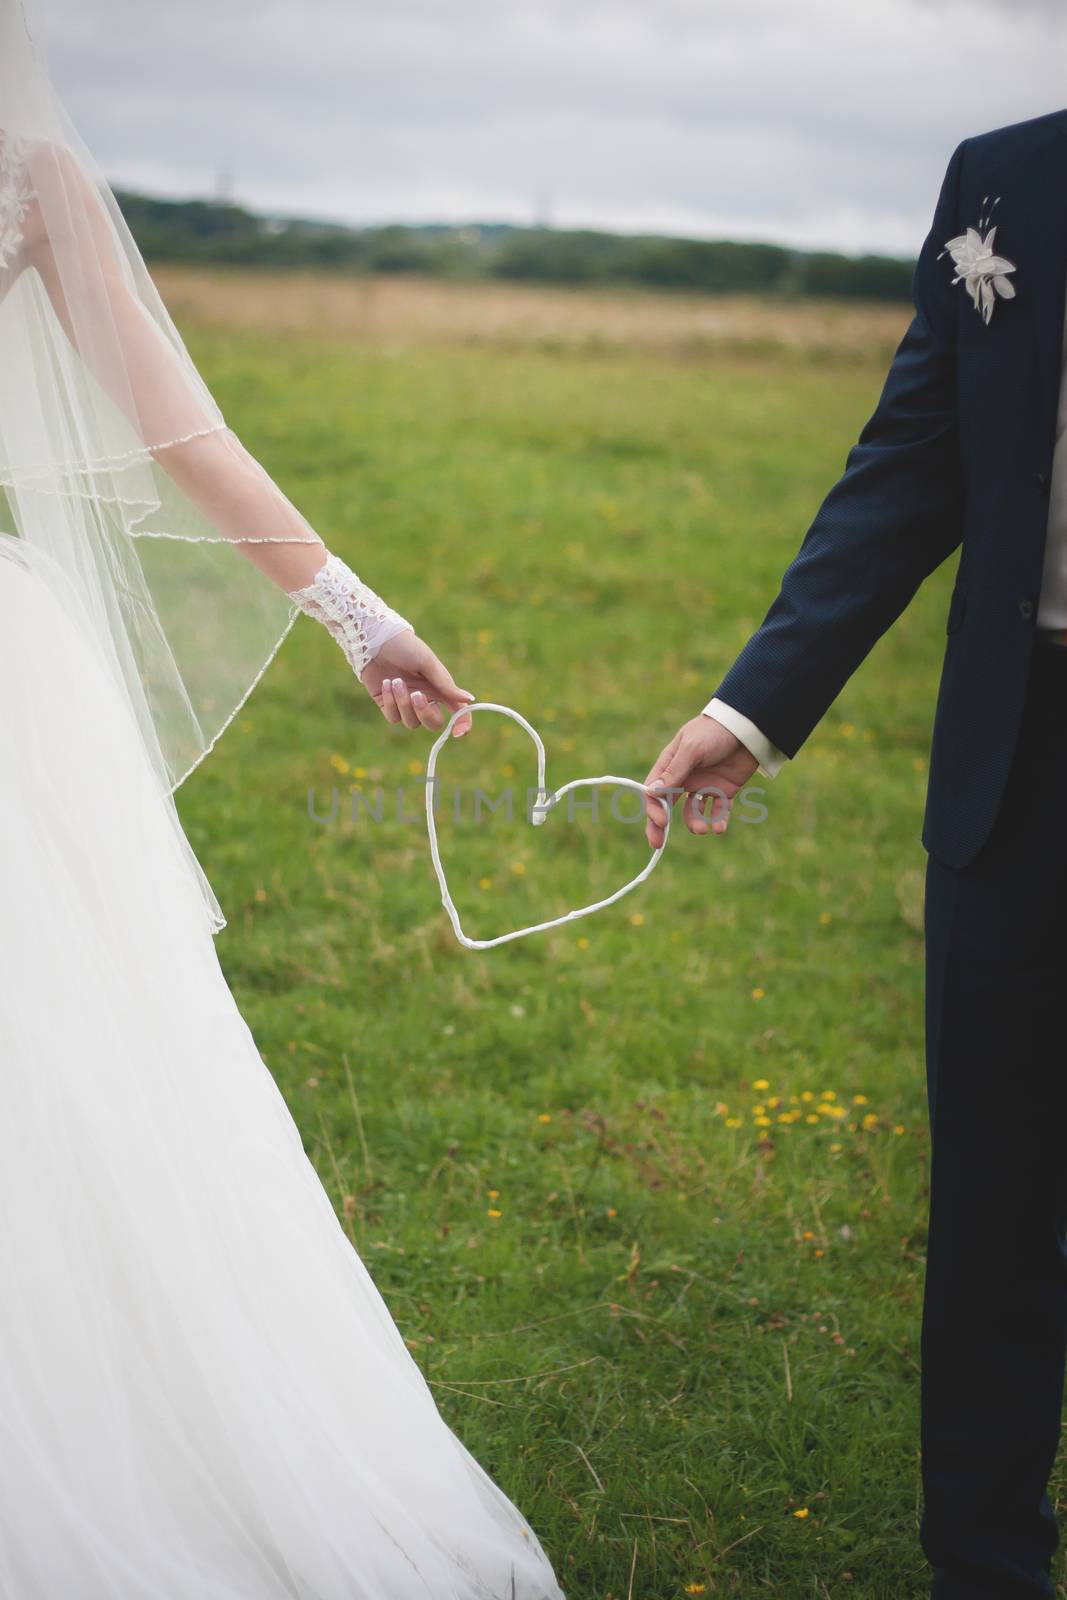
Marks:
<point>822,123</point>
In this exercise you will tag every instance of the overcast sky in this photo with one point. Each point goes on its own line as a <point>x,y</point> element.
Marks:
<point>812,122</point>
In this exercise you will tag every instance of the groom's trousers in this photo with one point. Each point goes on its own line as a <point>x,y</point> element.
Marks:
<point>995,1305</point>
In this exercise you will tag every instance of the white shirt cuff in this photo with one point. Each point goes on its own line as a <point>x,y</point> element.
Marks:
<point>771,759</point>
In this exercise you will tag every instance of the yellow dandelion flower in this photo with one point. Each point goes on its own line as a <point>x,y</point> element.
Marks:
<point>760,1083</point>
<point>859,1099</point>
<point>359,772</point>
<point>785,1116</point>
<point>494,1213</point>
<point>762,1122</point>
<point>696,1588</point>
<point>818,1252</point>
<point>544,1116</point>
<point>774,1101</point>
<point>518,868</point>
<point>812,1116</point>
<point>507,770</point>
<point>582,943</point>
<point>338,763</point>
<point>494,1194</point>
<point>485,883</point>
<point>721,1108</point>
<point>758,1110</point>
<point>836,1147</point>
<point>825,917</point>
<point>847,730</point>
<point>899,1128</point>
<point>414,767</point>
<point>733,1122</point>
<point>802,1511</point>
<point>637,920</point>
<point>807,1234</point>
<point>828,1094</point>
<point>806,1094</point>
<point>757,994</point>
<point>870,1119</point>
<point>612,1211</point>
<point>836,1111</point>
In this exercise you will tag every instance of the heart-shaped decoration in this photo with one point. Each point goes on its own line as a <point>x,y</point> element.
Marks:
<point>540,812</point>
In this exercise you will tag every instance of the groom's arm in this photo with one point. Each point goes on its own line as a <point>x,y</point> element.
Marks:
<point>894,516</point>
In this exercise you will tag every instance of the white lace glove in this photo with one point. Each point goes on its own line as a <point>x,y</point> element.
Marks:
<point>358,619</point>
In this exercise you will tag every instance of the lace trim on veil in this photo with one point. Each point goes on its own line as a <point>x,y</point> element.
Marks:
<point>11,476</point>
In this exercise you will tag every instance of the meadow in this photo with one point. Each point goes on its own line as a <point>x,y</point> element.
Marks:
<point>646,1194</point>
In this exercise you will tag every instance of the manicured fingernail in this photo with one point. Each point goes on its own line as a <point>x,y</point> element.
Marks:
<point>417,694</point>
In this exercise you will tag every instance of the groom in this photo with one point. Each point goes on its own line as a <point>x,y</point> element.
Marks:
<point>967,450</point>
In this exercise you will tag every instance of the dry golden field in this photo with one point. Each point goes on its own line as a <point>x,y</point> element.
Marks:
<point>427,311</point>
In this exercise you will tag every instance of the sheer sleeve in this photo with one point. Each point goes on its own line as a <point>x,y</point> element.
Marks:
<point>138,368</point>
<point>117,462</point>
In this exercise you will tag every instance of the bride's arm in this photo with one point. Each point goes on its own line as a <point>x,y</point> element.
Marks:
<point>210,465</point>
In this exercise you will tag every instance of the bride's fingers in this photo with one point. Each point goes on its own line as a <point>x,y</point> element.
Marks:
<point>428,712</point>
<point>401,694</point>
<point>390,709</point>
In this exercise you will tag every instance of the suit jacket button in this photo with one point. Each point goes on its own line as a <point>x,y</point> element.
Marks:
<point>1026,609</point>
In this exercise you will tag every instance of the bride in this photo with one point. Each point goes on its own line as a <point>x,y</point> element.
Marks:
<point>202,1394</point>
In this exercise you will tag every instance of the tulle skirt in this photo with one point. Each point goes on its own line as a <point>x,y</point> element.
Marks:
<point>202,1394</point>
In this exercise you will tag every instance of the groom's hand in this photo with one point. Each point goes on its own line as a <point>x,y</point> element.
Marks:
<point>703,755</point>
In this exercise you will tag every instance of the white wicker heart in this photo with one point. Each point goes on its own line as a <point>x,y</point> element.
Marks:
<point>540,812</point>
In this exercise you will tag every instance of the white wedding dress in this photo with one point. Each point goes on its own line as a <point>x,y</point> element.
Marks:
<point>202,1394</point>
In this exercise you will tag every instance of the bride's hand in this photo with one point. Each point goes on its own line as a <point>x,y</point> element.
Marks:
<point>410,685</point>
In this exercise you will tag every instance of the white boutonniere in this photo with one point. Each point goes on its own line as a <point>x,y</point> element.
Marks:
<point>983,273</point>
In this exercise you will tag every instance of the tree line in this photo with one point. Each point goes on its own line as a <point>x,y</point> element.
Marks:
<point>225,234</point>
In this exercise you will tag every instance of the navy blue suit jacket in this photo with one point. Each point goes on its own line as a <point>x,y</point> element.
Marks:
<point>957,455</point>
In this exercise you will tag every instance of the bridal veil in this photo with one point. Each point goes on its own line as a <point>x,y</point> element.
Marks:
<point>117,469</point>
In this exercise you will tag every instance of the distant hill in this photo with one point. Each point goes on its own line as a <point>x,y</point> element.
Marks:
<point>222,234</point>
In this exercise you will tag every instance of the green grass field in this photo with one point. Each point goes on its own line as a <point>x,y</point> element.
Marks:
<point>646,1195</point>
